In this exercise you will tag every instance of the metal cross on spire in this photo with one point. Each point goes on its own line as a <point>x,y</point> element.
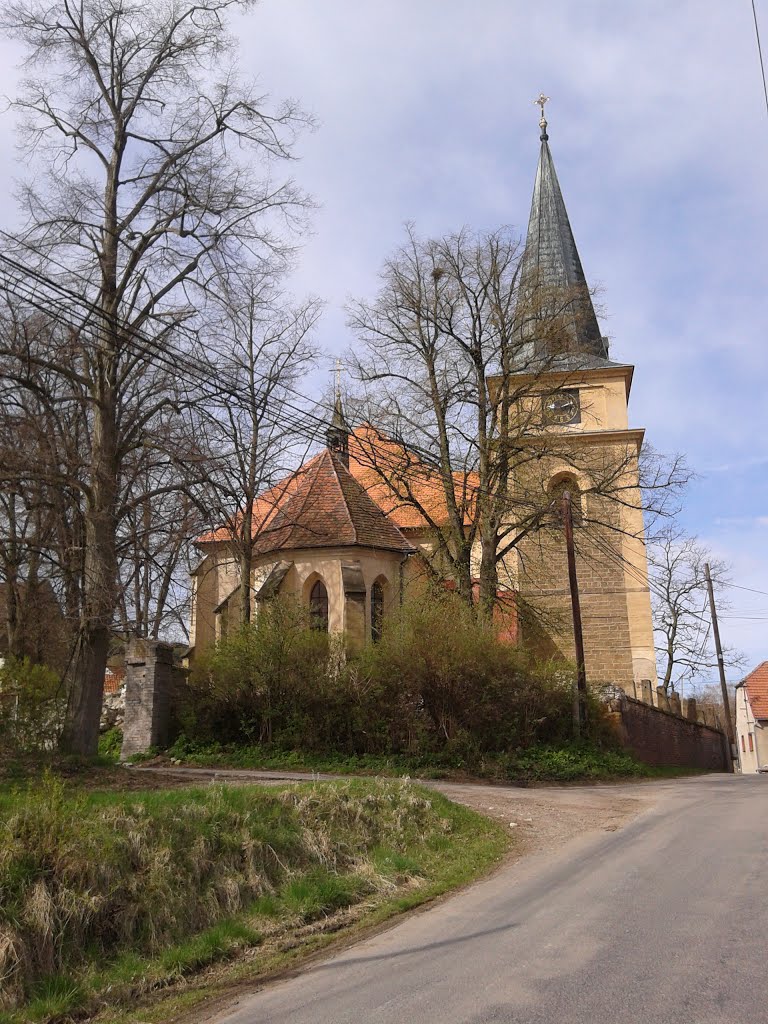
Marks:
<point>338,411</point>
<point>540,101</point>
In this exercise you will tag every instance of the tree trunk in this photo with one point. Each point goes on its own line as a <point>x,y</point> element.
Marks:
<point>246,561</point>
<point>489,572</point>
<point>81,726</point>
<point>12,623</point>
<point>671,637</point>
<point>245,584</point>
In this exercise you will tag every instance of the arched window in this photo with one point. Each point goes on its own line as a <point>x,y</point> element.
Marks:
<point>556,492</point>
<point>318,606</point>
<point>377,611</point>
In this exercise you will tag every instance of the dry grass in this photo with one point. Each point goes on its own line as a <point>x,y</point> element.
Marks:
<point>103,890</point>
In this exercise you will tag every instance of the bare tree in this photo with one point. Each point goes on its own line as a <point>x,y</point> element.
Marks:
<point>264,346</point>
<point>153,178</point>
<point>153,544</point>
<point>448,369</point>
<point>680,608</point>
<point>41,460</point>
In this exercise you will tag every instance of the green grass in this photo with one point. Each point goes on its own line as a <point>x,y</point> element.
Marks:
<point>110,896</point>
<point>570,763</point>
<point>110,743</point>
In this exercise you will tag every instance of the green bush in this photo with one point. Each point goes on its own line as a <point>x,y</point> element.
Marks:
<point>32,705</point>
<point>110,745</point>
<point>262,681</point>
<point>439,682</point>
<point>466,689</point>
<point>571,762</point>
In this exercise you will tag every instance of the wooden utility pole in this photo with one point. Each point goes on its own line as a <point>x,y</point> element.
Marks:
<point>721,666</point>
<point>580,697</point>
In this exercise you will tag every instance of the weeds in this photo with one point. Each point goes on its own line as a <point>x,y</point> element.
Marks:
<point>538,763</point>
<point>125,892</point>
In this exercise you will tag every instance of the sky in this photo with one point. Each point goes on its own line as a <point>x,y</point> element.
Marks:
<point>659,132</point>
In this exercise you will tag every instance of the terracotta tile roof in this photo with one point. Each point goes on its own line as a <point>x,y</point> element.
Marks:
<point>324,504</point>
<point>408,491</point>
<point>266,505</point>
<point>756,685</point>
<point>320,505</point>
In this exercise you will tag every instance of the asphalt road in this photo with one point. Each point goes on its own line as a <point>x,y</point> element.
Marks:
<point>663,921</point>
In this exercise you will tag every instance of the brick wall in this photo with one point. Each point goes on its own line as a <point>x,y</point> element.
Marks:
<point>661,737</point>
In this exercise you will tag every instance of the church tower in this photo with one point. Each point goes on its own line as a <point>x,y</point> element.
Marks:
<point>586,446</point>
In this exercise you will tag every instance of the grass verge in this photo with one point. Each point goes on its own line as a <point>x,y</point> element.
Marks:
<point>109,900</point>
<point>572,763</point>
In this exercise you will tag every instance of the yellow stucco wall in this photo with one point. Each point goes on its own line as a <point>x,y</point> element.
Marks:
<point>610,547</point>
<point>217,578</point>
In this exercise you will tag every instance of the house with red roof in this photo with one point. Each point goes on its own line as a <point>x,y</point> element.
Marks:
<point>752,720</point>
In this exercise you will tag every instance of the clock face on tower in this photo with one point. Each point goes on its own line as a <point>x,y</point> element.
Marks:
<point>562,408</point>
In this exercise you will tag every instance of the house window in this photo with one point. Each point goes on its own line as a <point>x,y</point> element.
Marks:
<point>751,744</point>
<point>377,611</point>
<point>318,606</point>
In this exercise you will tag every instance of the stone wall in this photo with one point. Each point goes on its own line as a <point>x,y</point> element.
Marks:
<point>149,677</point>
<point>659,737</point>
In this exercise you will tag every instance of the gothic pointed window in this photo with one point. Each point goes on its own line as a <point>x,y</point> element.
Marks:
<point>318,606</point>
<point>377,611</point>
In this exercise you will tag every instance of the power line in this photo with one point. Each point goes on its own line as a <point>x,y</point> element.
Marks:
<point>760,54</point>
<point>749,590</point>
<point>150,349</point>
<point>307,424</point>
<point>137,341</point>
<point>158,351</point>
<point>634,572</point>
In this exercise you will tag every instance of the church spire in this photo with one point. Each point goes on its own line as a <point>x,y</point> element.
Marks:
<point>560,318</point>
<point>337,434</point>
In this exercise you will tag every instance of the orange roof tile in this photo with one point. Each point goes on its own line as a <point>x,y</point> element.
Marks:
<point>113,680</point>
<point>320,505</point>
<point>266,505</point>
<point>756,685</point>
<point>385,489</point>
<point>408,491</point>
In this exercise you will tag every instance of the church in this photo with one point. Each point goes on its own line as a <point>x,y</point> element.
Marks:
<point>337,537</point>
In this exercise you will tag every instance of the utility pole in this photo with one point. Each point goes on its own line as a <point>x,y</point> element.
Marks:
<point>720,665</point>
<point>580,697</point>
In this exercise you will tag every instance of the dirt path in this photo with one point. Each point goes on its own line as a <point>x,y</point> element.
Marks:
<point>544,819</point>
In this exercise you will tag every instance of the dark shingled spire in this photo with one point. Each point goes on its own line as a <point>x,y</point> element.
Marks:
<point>337,434</point>
<point>552,281</point>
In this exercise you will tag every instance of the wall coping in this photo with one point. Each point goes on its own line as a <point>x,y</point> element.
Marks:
<point>663,711</point>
